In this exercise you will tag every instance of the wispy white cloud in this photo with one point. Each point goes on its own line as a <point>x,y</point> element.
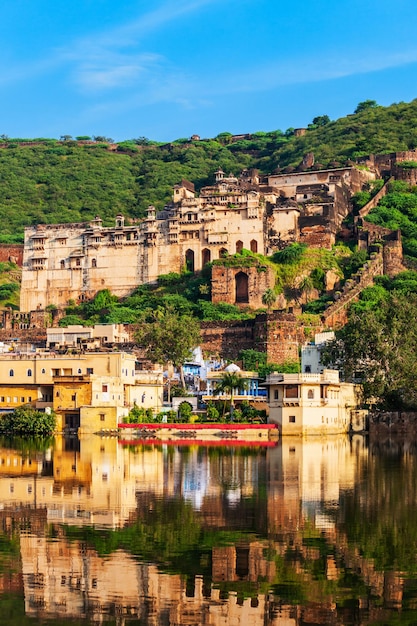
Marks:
<point>110,70</point>
<point>315,68</point>
<point>109,58</point>
<point>187,91</point>
<point>120,69</point>
<point>113,58</point>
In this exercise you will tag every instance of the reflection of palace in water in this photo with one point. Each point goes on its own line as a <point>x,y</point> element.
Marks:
<point>105,484</point>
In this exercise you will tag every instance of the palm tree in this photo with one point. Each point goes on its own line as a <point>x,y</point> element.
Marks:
<point>269,298</point>
<point>227,384</point>
<point>306,286</point>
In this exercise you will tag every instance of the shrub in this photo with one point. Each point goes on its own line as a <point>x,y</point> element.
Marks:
<point>139,415</point>
<point>212,413</point>
<point>185,412</point>
<point>291,254</point>
<point>25,421</point>
<point>252,359</point>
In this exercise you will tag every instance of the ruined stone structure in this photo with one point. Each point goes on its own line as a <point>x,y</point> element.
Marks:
<point>388,164</point>
<point>241,285</point>
<point>64,262</point>
<point>12,253</point>
<point>390,242</point>
<point>278,334</point>
<point>323,200</point>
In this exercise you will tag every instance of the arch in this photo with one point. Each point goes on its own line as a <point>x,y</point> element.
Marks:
<point>11,373</point>
<point>29,372</point>
<point>223,253</point>
<point>189,260</point>
<point>93,262</point>
<point>62,264</point>
<point>254,245</point>
<point>310,394</point>
<point>242,287</point>
<point>205,256</point>
<point>239,246</point>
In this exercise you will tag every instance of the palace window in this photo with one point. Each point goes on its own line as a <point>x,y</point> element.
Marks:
<point>291,391</point>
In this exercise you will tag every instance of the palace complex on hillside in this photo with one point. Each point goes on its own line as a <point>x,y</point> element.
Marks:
<point>63,262</point>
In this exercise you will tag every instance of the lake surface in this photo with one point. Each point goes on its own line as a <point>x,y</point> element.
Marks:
<point>302,533</point>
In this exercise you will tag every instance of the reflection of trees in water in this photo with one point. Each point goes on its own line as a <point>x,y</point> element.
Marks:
<point>380,514</point>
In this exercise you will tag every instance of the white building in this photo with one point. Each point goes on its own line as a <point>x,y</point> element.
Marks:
<point>311,353</point>
<point>75,335</point>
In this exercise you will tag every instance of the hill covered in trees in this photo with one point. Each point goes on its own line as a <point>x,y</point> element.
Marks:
<point>47,181</point>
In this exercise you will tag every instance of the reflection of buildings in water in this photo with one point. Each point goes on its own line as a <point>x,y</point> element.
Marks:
<point>306,480</point>
<point>195,481</point>
<point>229,474</point>
<point>306,476</point>
<point>97,481</point>
<point>63,579</point>
<point>69,579</point>
<point>95,484</point>
<point>73,491</point>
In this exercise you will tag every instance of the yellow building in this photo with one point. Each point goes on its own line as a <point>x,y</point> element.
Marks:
<point>311,404</point>
<point>90,391</point>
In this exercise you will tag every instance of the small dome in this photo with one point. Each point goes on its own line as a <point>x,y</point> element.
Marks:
<point>232,368</point>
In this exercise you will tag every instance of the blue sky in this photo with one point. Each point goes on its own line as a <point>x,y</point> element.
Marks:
<point>167,69</point>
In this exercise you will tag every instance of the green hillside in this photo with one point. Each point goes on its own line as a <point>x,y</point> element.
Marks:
<point>67,181</point>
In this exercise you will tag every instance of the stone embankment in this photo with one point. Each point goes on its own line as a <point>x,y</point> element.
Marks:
<point>387,423</point>
<point>199,434</point>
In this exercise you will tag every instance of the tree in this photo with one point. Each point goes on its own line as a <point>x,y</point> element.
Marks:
<point>141,141</point>
<point>228,383</point>
<point>269,298</point>
<point>26,421</point>
<point>365,105</point>
<point>378,345</point>
<point>306,286</point>
<point>321,120</point>
<point>168,336</point>
<point>252,359</point>
<point>102,139</point>
<point>101,304</point>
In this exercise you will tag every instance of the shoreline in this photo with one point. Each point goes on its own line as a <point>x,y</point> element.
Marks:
<point>201,434</point>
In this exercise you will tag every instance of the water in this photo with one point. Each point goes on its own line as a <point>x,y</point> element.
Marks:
<point>303,533</point>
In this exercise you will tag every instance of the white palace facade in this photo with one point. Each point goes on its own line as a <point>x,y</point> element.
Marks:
<point>63,262</point>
